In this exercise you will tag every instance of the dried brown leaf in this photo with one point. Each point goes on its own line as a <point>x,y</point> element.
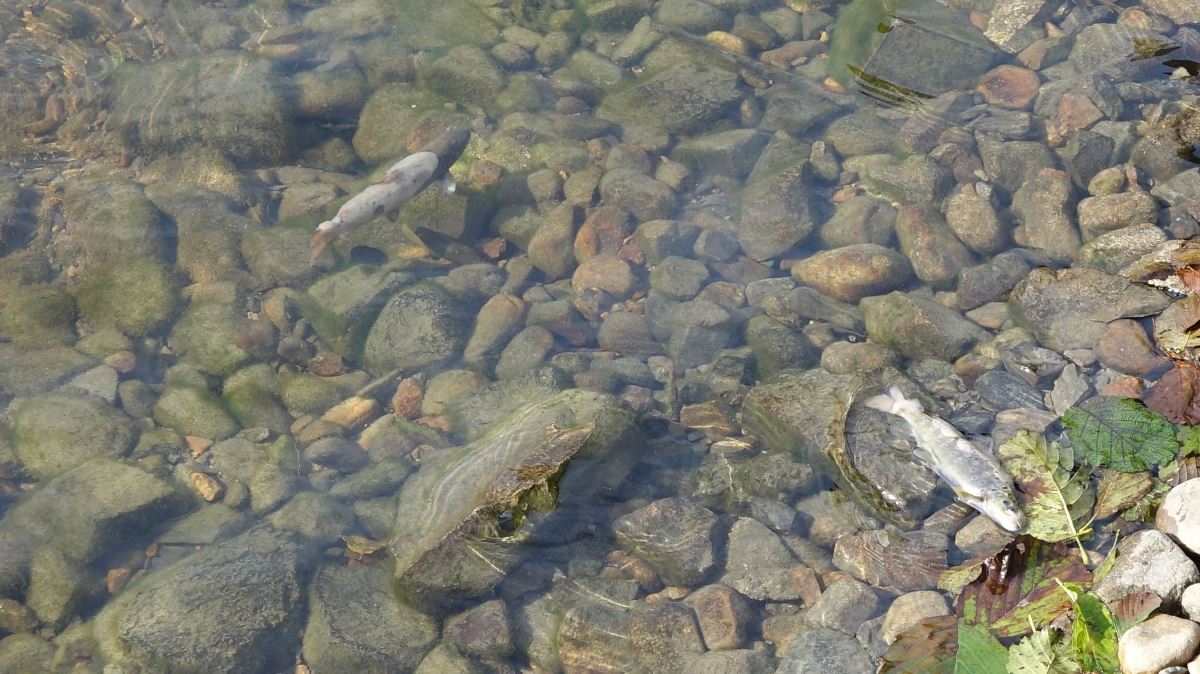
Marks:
<point>1117,491</point>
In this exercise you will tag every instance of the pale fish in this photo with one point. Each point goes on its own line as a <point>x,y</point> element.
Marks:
<point>972,472</point>
<point>404,180</point>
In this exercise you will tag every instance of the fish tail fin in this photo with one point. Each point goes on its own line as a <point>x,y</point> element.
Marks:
<point>893,402</point>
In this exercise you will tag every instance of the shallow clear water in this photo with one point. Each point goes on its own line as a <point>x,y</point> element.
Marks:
<point>716,226</point>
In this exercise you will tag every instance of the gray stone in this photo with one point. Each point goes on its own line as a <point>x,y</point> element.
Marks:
<point>1112,251</point>
<point>207,337</point>
<point>843,606</point>
<point>916,180</point>
<point>663,635</point>
<point>1043,206</point>
<point>678,278</point>
<point>1011,164</point>
<point>223,101</point>
<point>860,219</point>
<point>1181,503</point>
<point>1190,601</point>
<point>777,347</point>
<point>482,631</point>
<point>974,221</point>
<point>918,328</point>
<point>1181,188</point>
<point>758,564</point>
<point>699,330</point>
<point>1148,561</point>
<point>981,537</point>
<point>355,624</point>
<point>1105,213</point>
<point>55,433</point>
<point>644,197</point>
<point>420,326</point>
<point>935,252</point>
<point>1001,390</point>
<point>738,661</point>
<point>341,306</point>
<point>1158,643</point>
<point>241,593</point>
<point>862,132</point>
<point>775,214</point>
<point>910,561</point>
<point>681,99</point>
<point>990,281</point>
<point>1071,308</point>
<point>691,15</point>
<point>674,536</point>
<point>319,517</point>
<point>911,608</point>
<point>729,153</point>
<point>825,650</point>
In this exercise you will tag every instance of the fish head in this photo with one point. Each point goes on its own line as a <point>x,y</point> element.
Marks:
<point>1001,507</point>
<point>448,147</point>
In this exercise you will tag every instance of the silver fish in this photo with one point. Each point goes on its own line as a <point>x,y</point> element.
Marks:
<point>973,473</point>
<point>404,180</point>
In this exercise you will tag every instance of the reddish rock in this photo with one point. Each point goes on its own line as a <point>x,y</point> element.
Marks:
<point>1123,387</point>
<point>603,232</point>
<point>723,614</point>
<point>1075,112</point>
<point>1009,87</point>
<point>851,273</point>
<point>1126,348</point>
<point>606,272</point>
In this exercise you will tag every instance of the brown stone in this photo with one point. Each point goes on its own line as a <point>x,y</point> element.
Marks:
<point>710,418</point>
<point>853,272</point>
<point>935,252</point>
<point>353,412</point>
<point>605,272</point>
<point>1123,387</point>
<point>723,615</point>
<point>603,231</point>
<point>907,562</point>
<point>1009,87</point>
<point>1075,112</point>
<point>406,401</point>
<point>209,488</point>
<point>1126,348</point>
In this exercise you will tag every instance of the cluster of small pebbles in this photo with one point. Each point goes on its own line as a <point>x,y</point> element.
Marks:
<point>672,229</point>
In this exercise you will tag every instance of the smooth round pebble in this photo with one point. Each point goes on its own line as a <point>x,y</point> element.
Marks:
<point>1181,506</point>
<point>1158,643</point>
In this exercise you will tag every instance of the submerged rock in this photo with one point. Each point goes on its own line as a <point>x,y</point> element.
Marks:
<point>463,514</point>
<point>682,99</point>
<point>420,326</point>
<point>57,432</point>
<point>674,536</point>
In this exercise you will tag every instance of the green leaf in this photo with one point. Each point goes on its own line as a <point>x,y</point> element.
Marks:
<point>1049,487</point>
<point>1189,439</point>
<point>1120,433</point>
<point>978,651</point>
<point>929,647</point>
<point>954,579</point>
<point>1095,635</point>
<point>1042,652</point>
<point>1117,491</point>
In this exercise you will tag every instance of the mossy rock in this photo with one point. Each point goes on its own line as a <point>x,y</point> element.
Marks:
<point>113,220</point>
<point>136,296</point>
<point>387,118</point>
<point>38,316</point>
<point>206,336</point>
<point>54,433</point>
<point>466,74</point>
<point>192,410</point>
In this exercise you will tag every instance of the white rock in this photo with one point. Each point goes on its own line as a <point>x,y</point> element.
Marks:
<point>910,608</point>
<point>1148,561</point>
<point>1194,666</point>
<point>1179,514</point>
<point>1160,642</point>
<point>1191,601</point>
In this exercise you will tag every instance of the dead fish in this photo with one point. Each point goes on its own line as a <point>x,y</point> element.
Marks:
<point>973,473</point>
<point>404,180</point>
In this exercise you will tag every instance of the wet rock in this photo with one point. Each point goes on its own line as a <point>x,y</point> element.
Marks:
<point>59,431</point>
<point>974,221</point>
<point>1180,503</point>
<point>420,326</point>
<point>1044,208</point>
<point>355,624</point>
<point>853,272</point>
<point>207,337</point>
<point>1071,308</point>
<point>241,593</point>
<point>608,273</point>
<point>990,281</point>
<point>112,221</point>
<point>699,330</point>
<point>26,653</point>
<point>862,132</point>
<point>1105,213</point>
<point>1011,164</point>
<point>882,558</point>
<point>646,198</point>
<point>136,295</point>
<point>336,453</point>
<point>843,606</point>
<point>341,306</point>
<point>391,107</point>
<point>825,650</point>
<point>739,661</point>
<point>928,242</point>
<point>917,179</point>
<point>193,410</point>
<point>1114,250</point>
<point>674,536</point>
<point>659,239</point>
<point>306,393</point>
<point>860,219</point>
<point>857,357</point>
<point>911,608</point>
<point>467,73</point>
<point>775,214</point>
<point>278,256</point>
<point>585,436</point>
<point>918,328</point>
<point>38,316</point>
<point>225,101</point>
<point>1002,390</point>
<point>776,347</point>
<point>92,510</point>
<point>1157,644</point>
<point>100,381</point>
<point>691,15</point>
<point>981,537</point>
<point>33,372</point>
<point>1009,87</point>
<point>58,587</point>
<point>1125,347</point>
<point>209,230</point>
<point>684,98</point>
<point>482,631</point>
<point>592,634</point>
<point>678,278</point>
<point>663,634</point>
<point>729,153</point>
<point>758,564</point>
<point>723,615</point>
<point>1148,561</point>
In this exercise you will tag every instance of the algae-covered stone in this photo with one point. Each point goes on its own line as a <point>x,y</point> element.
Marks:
<point>278,256</point>
<point>342,306</point>
<point>31,372</point>
<point>918,328</point>
<point>319,517</point>
<point>226,101</point>
<point>729,153</point>
<point>136,295</point>
<point>681,99</point>
<point>419,326</point>
<point>94,509</point>
<point>23,653</point>
<point>232,607</point>
<point>451,539</point>
<point>57,587</point>
<point>777,347</point>
<point>389,114</point>
<point>208,227</point>
<point>355,624</point>
<point>249,394</point>
<point>192,410</point>
<point>206,336</point>
<point>38,316</point>
<point>56,432</point>
<point>112,220</point>
<point>466,74</point>
<point>306,393</point>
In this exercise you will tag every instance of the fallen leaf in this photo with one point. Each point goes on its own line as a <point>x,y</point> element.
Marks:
<point>1133,608</point>
<point>978,651</point>
<point>1190,277</point>
<point>1174,394</point>
<point>1049,486</point>
<point>1094,635</point>
<point>1042,652</point>
<point>929,647</point>
<point>1120,433</point>
<point>1117,491</point>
